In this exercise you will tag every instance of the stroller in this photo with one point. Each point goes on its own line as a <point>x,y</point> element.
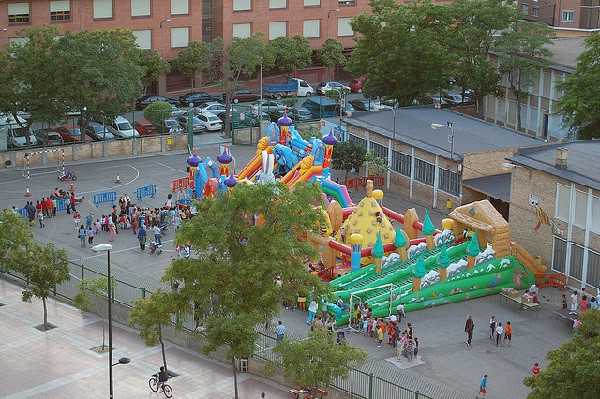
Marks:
<point>155,247</point>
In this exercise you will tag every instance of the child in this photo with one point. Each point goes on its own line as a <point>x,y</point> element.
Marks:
<point>112,229</point>
<point>76,219</point>
<point>90,236</point>
<point>564,301</point>
<point>40,216</point>
<point>97,226</point>
<point>409,350</point>
<point>379,336</point>
<point>583,304</point>
<point>536,369</point>
<point>416,346</point>
<point>499,331</point>
<point>482,387</point>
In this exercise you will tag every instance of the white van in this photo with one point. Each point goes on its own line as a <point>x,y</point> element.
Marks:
<point>122,128</point>
<point>17,135</point>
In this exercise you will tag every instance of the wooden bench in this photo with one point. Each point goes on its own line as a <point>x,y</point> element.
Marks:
<point>522,305</point>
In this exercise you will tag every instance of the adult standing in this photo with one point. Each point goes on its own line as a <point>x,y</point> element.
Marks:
<point>400,312</point>
<point>469,326</point>
<point>142,238</point>
<point>492,327</point>
<point>73,201</point>
<point>115,218</point>
<point>82,234</point>
<point>280,330</point>
<point>312,310</point>
<point>156,231</point>
<point>573,303</point>
<point>499,331</point>
<point>507,333</point>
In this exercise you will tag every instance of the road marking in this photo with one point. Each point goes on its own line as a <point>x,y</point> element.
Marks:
<point>169,167</point>
<point>116,186</point>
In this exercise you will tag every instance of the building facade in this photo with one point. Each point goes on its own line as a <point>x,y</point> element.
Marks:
<point>567,17</point>
<point>562,181</point>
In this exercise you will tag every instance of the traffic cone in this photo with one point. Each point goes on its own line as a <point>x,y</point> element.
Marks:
<point>72,187</point>
<point>27,193</point>
<point>118,179</point>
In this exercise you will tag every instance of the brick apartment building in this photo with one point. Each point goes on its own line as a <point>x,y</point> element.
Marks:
<point>567,17</point>
<point>562,181</point>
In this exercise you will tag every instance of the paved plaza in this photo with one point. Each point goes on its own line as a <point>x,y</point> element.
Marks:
<point>59,363</point>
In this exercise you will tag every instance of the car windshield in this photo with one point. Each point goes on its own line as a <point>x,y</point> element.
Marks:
<point>213,118</point>
<point>21,132</point>
<point>197,121</point>
<point>100,129</point>
<point>74,131</point>
<point>124,126</point>
<point>171,123</point>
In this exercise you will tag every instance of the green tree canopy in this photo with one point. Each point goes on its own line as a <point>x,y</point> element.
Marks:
<point>153,66</point>
<point>318,359</point>
<point>43,267</point>
<point>580,101</point>
<point>291,53</point>
<point>475,29</point>
<point>236,261</point>
<point>523,51</point>
<point>150,315</point>
<point>348,155</point>
<point>14,234</point>
<point>573,367</point>
<point>331,53</point>
<point>157,112</point>
<point>195,59</point>
<point>402,49</point>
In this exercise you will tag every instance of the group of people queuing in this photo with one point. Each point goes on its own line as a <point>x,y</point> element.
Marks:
<point>46,207</point>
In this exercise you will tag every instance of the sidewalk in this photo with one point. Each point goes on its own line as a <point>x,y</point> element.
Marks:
<point>59,363</point>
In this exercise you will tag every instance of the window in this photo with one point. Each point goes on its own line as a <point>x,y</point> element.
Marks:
<point>18,40</point>
<point>568,16</point>
<point>60,10</point>
<point>563,199</point>
<point>140,8</point>
<point>143,38</point>
<point>180,37</point>
<point>277,29</point>
<point>312,28</point>
<point>424,172</point>
<point>595,227</point>
<point>277,3</point>
<point>18,13</point>
<point>360,141</point>
<point>525,9</point>
<point>576,261</point>
<point>401,163</point>
<point>311,3</point>
<point>103,9</point>
<point>593,269</point>
<point>379,151</point>
<point>536,11</point>
<point>180,7</point>
<point>242,5</point>
<point>242,30</point>
<point>580,208</point>
<point>344,28</point>
<point>449,181</point>
<point>346,2</point>
<point>560,253</point>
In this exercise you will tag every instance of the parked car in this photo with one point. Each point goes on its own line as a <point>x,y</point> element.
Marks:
<point>47,136</point>
<point>243,95</point>
<point>210,121</point>
<point>356,85</point>
<point>198,97</point>
<point>144,128</point>
<point>366,105</point>
<point>238,119</point>
<point>439,101</point>
<point>324,87</point>
<point>268,106</point>
<point>99,132</point>
<point>147,100</point>
<point>17,134</point>
<point>71,134</point>
<point>169,126</point>
<point>211,106</point>
<point>456,99</point>
<point>197,124</point>
<point>122,128</point>
<point>296,114</point>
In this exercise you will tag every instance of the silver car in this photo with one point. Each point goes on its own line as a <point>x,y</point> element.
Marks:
<point>197,125</point>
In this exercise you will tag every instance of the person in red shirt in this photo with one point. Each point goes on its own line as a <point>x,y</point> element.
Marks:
<point>507,333</point>
<point>535,370</point>
<point>73,202</point>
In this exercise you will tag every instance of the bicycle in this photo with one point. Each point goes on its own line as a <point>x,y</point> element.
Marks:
<point>166,388</point>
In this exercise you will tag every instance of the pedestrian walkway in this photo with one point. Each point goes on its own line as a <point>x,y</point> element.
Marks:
<point>60,363</point>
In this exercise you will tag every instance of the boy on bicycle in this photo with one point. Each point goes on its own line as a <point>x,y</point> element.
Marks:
<point>162,377</point>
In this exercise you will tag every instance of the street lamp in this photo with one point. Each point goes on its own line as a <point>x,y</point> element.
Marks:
<point>107,248</point>
<point>164,20</point>
<point>450,135</point>
<point>190,127</point>
<point>394,128</point>
<point>328,15</point>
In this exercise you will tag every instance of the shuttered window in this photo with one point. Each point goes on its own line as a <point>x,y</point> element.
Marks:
<point>312,28</point>
<point>242,30</point>
<point>18,13</point>
<point>560,254</point>
<point>277,3</point>
<point>180,7</point>
<point>103,9</point>
<point>140,8</point>
<point>60,10</point>
<point>576,262</point>
<point>593,272</point>
<point>143,38</point>
<point>180,37</point>
<point>344,28</point>
<point>308,3</point>
<point>277,29</point>
<point>242,5</point>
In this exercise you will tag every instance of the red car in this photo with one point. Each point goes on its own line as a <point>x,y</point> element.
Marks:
<point>244,96</point>
<point>144,128</point>
<point>71,134</point>
<point>356,85</point>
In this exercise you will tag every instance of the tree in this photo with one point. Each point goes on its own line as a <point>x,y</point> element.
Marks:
<point>237,333</point>
<point>580,101</point>
<point>572,365</point>
<point>30,74</point>
<point>157,112</point>
<point>91,292</point>
<point>153,66</point>
<point>43,267</point>
<point>402,49</point>
<point>291,53</point>
<point>318,359</point>
<point>150,315</point>
<point>331,53</point>
<point>237,259</point>
<point>195,59</point>
<point>523,52</point>
<point>14,234</point>
<point>376,164</point>
<point>348,155</point>
<point>476,27</point>
<point>99,72</point>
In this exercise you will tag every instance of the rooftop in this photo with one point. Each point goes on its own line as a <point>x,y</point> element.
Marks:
<point>413,126</point>
<point>565,50</point>
<point>583,161</point>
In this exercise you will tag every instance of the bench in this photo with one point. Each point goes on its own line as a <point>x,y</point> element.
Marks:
<point>522,305</point>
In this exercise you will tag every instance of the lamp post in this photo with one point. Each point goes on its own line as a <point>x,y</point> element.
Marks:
<point>107,248</point>
<point>328,15</point>
<point>190,127</point>
<point>450,135</point>
<point>161,22</point>
<point>394,127</point>
<point>261,99</point>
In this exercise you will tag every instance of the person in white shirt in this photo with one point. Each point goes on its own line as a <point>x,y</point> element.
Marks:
<point>499,331</point>
<point>574,301</point>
